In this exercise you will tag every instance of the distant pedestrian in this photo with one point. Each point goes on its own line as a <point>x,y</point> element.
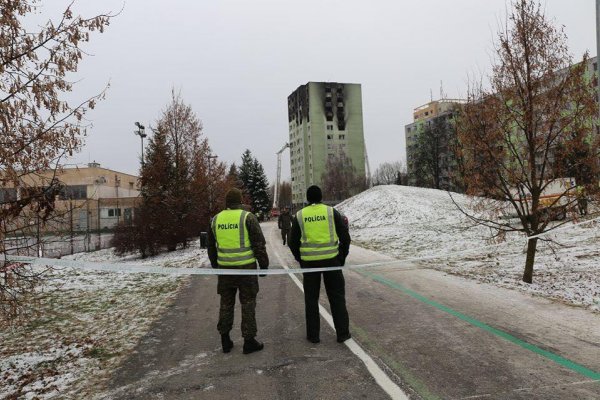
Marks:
<point>236,241</point>
<point>319,238</point>
<point>284,222</point>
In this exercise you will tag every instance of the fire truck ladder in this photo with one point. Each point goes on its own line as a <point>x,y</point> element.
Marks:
<point>278,182</point>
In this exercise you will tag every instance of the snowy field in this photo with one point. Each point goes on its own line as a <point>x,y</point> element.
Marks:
<point>407,222</point>
<point>88,323</point>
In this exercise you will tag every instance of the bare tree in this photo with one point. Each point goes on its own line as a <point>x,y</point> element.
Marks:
<point>434,154</point>
<point>285,194</point>
<point>388,173</point>
<point>39,126</point>
<point>340,179</point>
<point>524,137</point>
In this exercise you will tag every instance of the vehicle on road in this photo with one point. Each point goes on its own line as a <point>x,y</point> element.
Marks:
<point>557,197</point>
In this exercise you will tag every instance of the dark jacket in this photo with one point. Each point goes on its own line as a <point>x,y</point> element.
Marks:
<point>284,222</point>
<point>257,242</point>
<point>344,244</point>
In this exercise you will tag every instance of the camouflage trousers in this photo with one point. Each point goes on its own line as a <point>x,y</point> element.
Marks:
<point>227,287</point>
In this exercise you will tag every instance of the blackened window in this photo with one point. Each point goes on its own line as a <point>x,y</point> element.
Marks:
<point>7,195</point>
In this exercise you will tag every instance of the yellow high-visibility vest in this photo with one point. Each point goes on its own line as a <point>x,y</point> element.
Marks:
<point>231,234</point>
<point>319,239</point>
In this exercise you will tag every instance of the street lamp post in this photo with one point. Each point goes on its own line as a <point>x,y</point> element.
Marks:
<point>142,134</point>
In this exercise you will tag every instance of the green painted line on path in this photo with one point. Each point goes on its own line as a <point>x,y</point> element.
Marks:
<point>573,366</point>
<point>405,373</point>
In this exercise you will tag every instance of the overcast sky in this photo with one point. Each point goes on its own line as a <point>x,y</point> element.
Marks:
<point>235,63</point>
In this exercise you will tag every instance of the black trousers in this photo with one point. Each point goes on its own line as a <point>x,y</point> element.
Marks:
<point>336,293</point>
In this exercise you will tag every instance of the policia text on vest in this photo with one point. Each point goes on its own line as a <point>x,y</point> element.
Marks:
<point>320,238</point>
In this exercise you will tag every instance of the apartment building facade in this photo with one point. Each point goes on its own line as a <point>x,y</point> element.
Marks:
<point>325,121</point>
<point>438,113</point>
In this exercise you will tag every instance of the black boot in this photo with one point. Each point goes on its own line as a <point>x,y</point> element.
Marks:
<point>251,345</point>
<point>343,337</point>
<point>227,343</point>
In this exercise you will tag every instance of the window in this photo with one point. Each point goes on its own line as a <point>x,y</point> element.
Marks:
<point>73,192</point>
<point>329,127</point>
<point>8,195</point>
<point>114,212</point>
<point>342,137</point>
<point>329,137</point>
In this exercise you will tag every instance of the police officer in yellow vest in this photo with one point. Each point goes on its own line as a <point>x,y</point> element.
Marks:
<point>236,241</point>
<point>320,238</point>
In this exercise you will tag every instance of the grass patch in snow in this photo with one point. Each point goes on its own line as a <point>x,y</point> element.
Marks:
<point>87,323</point>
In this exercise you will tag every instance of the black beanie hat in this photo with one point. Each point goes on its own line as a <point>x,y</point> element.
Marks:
<point>313,194</point>
<point>233,197</point>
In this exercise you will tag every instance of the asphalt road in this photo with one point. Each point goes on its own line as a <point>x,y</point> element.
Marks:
<point>435,335</point>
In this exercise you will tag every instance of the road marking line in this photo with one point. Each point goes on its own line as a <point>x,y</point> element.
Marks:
<point>376,372</point>
<point>564,362</point>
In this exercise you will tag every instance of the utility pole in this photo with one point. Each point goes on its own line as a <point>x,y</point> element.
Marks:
<point>117,210</point>
<point>210,158</point>
<point>71,233</point>
<point>598,55</point>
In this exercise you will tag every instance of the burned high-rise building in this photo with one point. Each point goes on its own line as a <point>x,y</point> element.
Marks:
<point>325,121</point>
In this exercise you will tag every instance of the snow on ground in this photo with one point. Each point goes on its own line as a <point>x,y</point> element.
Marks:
<point>87,324</point>
<point>407,222</point>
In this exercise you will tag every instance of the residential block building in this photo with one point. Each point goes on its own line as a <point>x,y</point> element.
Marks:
<point>424,116</point>
<point>325,122</point>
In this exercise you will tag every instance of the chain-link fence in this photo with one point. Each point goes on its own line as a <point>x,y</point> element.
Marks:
<point>56,246</point>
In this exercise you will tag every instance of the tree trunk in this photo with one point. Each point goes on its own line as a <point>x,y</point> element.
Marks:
<point>528,274</point>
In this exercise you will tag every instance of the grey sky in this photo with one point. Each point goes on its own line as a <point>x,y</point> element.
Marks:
<point>236,62</point>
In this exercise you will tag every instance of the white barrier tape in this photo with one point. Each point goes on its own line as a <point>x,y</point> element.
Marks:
<point>136,268</point>
<point>122,267</point>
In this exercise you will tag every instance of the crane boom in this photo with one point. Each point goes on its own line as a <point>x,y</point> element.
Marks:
<point>278,181</point>
<point>367,169</point>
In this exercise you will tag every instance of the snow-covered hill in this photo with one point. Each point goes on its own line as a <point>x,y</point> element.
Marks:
<point>407,222</point>
<point>410,221</point>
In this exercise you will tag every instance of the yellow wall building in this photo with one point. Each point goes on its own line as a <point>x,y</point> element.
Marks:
<point>91,198</point>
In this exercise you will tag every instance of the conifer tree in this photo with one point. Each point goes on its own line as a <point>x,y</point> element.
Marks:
<point>255,185</point>
<point>261,202</point>
<point>154,221</point>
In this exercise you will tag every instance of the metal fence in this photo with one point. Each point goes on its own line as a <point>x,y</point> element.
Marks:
<point>56,246</point>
